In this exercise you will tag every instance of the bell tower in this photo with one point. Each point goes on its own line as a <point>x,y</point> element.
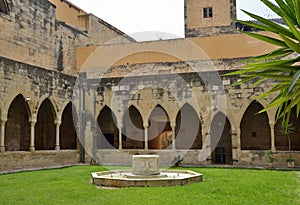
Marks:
<point>209,17</point>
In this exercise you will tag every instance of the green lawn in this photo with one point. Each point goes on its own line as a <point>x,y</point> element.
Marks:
<point>221,186</point>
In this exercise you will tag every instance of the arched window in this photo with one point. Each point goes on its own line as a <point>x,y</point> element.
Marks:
<point>4,7</point>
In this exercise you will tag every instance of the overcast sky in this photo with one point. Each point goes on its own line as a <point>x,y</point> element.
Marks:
<point>153,19</point>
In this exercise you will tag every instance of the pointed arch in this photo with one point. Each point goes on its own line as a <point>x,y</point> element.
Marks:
<point>45,126</point>
<point>4,8</point>
<point>160,132</point>
<point>255,129</point>
<point>221,140</point>
<point>17,127</point>
<point>51,99</point>
<point>188,129</point>
<point>133,129</point>
<point>68,135</point>
<point>281,140</point>
<point>108,137</point>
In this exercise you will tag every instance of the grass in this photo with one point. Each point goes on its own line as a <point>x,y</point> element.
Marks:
<point>221,186</point>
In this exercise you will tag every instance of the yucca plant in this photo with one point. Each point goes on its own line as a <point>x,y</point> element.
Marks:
<point>277,65</point>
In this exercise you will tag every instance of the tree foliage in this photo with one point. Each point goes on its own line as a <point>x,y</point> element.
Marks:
<point>281,65</point>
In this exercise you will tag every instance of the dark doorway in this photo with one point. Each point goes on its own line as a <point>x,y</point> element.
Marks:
<point>17,127</point>
<point>188,129</point>
<point>108,138</point>
<point>45,127</point>
<point>255,129</point>
<point>160,132</point>
<point>133,129</point>
<point>221,142</point>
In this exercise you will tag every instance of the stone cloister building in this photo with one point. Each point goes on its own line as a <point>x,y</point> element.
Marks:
<point>75,88</point>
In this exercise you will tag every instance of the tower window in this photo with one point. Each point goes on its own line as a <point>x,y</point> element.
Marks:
<point>207,12</point>
<point>3,7</point>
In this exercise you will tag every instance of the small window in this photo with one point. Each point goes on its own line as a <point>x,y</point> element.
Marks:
<point>208,12</point>
<point>3,7</point>
<point>254,134</point>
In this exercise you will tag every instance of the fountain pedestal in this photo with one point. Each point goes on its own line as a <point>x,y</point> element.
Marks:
<point>145,172</point>
<point>145,165</point>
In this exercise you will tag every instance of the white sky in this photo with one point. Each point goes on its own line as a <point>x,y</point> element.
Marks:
<point>153,19</point>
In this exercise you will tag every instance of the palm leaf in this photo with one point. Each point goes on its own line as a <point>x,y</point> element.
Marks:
<point>267,39</point>
<point>272,25</point>
<point>297,11</point>
<point>294,80</point>
<point>285,74</point>
<point>282,9</point>
<point>294,46</point>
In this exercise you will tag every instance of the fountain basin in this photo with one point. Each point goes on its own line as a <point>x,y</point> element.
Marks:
<point>125,178</point>
<point>145,173</point>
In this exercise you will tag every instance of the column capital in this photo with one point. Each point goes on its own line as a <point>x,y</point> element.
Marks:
<point>3,117</point>
<point>173,124</point>
<point>146,124</point>
<point>32,122</point>
<point>57,123</point>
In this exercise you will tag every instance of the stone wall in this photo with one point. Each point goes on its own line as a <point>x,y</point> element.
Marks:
<point>172,85</point>
<point>35,83</point>
<point>210,31</point>
<point>14,161</point>
<point>103,33</point>
<point>221,22</point>
<point>165,88</point>
<point>31,33</point>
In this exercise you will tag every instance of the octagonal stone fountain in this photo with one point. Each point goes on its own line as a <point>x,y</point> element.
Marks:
<point>145,173</point>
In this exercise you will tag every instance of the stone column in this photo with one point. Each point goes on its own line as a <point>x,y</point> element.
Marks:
<point>235,145</point>
<point>173,126</point>
<point>238,139</point>
<point>120,137</point>
<point>2,136</point>
<point>32,135</point>
<point>57,139</point>
<point>146,125</point>
<point>272,126</point>
<point>207,148</point>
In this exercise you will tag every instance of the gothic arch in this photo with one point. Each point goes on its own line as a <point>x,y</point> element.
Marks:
<point>160,132</point>
<point>158,105</point>
<point>17,127</point>
<point>188,128</point>
<point>255,129</point>
<point>51,99</point>
<point>281,141</point>
<point>221,139</point>
<point>108,133</point>
<point>68,135</point>
<point>28,101</point>
<point>45,127</point>
<point>133,129</point>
